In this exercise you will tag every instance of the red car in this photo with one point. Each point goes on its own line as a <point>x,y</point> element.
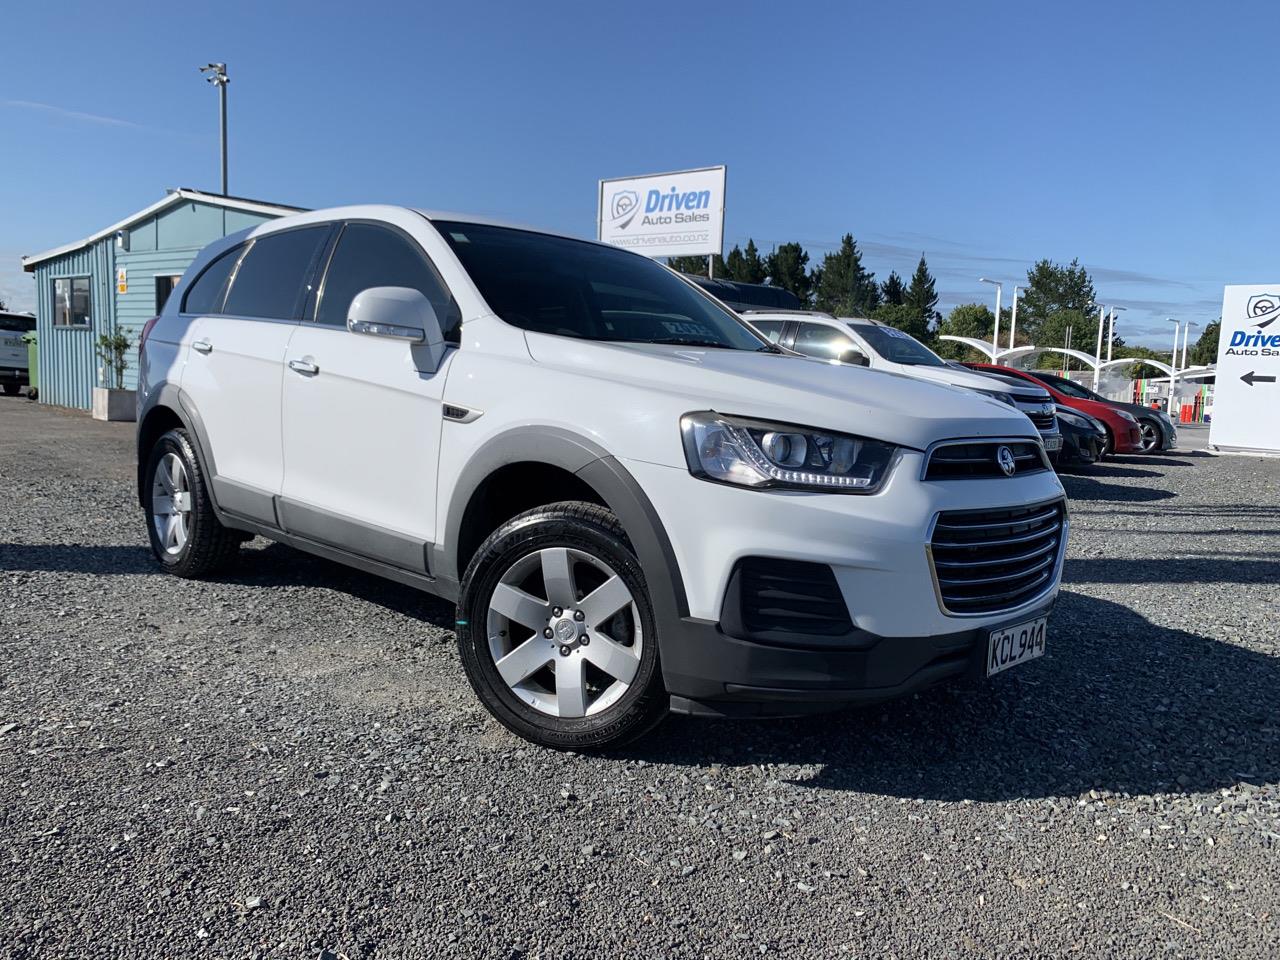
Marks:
<point>1123,432</point>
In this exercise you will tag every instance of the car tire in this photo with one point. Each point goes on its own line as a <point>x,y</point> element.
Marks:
<point>537,593</point>
<point>1152,435</point>
<point>185,534</point>
<point>11,389</point>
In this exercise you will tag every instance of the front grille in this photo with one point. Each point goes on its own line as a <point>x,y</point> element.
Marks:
<point>767,596</point>
<point>1043,421</point>
<point>985,561</point>
<point>980,458</point>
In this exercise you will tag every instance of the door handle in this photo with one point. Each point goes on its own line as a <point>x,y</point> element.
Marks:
<point>304,367</point>
<point>202,346</point>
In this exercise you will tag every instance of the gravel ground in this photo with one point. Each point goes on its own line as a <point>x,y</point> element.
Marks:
<point>288,762</point>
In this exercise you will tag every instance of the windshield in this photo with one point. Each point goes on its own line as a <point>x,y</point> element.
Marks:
<point>572,288</point>
<point>897,347</point>
<point>1069,387</point>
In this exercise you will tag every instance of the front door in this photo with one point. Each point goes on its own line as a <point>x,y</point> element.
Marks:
<point>362,414</point>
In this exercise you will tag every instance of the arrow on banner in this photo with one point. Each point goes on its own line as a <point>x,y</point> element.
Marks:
<point>1251,378</point>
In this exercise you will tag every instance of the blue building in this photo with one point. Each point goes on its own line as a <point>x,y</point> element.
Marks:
<point>119,278</point>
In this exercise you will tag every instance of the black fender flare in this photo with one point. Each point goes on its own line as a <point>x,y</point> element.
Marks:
<point>600,470</point>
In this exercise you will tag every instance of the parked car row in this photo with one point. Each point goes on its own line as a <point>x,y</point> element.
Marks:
<point>639,501</point>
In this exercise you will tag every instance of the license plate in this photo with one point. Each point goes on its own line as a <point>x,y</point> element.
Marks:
<point>1052,443</point>
<point>1010,646</point>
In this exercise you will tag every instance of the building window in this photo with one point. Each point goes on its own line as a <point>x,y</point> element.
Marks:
<point>164,287</point>
<point>71,302</point>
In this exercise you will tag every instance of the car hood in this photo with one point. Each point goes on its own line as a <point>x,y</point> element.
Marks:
<point>975,381</point>
<point>858,400</point>
<point>1135,408</point>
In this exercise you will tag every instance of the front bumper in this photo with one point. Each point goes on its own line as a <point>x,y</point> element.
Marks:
<point>709,673</point>
<point>875,547</point>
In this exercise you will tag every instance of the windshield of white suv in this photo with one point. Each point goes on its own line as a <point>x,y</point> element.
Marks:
<point>897,347</point>
<point>572,288</point>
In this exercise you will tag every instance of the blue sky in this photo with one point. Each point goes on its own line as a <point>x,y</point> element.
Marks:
<point>1140,138</point>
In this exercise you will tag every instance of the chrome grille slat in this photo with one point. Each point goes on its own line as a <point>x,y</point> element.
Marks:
<point>973,568</point>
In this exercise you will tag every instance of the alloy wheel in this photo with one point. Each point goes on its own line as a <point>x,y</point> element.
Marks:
<point>1150,435</point>
<point>171,504</point>
<point>564,632</point>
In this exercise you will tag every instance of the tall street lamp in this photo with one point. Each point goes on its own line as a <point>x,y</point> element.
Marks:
<point>995,332</point>
<point>216,73</point>
<point>1111,331</point>
<point>1013,321</point>
<point>1173,365</point>
<point>1097,354</point>
<point>1186,336</point>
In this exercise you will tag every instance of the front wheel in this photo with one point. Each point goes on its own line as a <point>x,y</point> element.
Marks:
<point>186,536</point>
<point>556,630</point>
<point>1152,435</point>
<point>11,389</point>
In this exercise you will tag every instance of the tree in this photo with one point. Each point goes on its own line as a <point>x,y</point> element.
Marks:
<point>922,294</point>
<point>1205,350</point>
<point>697,265</point>
<point>904,317</point>
<point>787,267</point>
<point>3,306</point>
<point>966,320</point>
<point>746,266</point>
<point>842,285</point>
<point>1053,288</point>
<point>893,292</point>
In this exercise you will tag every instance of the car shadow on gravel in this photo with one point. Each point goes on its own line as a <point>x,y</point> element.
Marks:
<point>1090,487</point>
<point>1118,703</point>
<point>272,565</point>
<point>1109,470</point>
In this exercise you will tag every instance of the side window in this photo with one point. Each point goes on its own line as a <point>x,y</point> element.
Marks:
<point>770,328</point>
<point>205,295</point>
<point>270,281</point>
<point>817,340</point>
<point>367,256</point>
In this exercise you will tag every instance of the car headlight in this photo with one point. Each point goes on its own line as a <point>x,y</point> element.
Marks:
<point>1076,419</point>
<point>1002,397</point>
<point>755,453</point>
<point>1126,415</point>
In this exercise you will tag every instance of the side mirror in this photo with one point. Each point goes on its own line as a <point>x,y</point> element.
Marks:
<point>855,357</point>
<point>399,313</point>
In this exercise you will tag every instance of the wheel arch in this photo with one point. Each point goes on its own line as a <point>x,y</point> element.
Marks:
<point>589,472</point>
<point>167,408</point>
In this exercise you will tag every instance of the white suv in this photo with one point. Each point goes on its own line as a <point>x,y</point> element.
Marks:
<point>636,502</point>
<point>870,343</point>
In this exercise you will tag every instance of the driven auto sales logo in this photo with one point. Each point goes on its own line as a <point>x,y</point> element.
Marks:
<point>1265,307</point>
<point>623,208</point>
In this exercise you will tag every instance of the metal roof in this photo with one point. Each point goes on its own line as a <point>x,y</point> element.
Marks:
<point>173,197</point>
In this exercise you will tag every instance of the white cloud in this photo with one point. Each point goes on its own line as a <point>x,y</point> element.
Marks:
<point>71,114</point>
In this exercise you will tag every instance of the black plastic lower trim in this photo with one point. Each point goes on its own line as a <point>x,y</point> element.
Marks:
<point>710,673</point>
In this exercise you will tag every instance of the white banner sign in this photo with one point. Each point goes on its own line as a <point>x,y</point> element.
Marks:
<point>665,214</point>
<point>1246,392</point>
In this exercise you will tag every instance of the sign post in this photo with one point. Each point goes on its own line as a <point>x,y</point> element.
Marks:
<point>677,214</point>
<point>1246,394</point>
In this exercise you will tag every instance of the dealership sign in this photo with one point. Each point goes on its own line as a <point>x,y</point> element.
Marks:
<point>664,214</point>
<point>1246,392</point>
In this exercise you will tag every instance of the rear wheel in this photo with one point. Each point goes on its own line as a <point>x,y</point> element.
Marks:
<point>556,630</point>
<point>185,534</point>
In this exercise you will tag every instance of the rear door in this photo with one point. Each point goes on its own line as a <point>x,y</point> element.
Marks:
<point>236,362</point>
<point>362,414</point>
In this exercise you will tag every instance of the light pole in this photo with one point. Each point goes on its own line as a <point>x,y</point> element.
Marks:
<point>995,332</point>
<point>1097,356</point>
<point>216,73</point>
<point>1111,332</point>
<point>1186,336</point>
<point>1173,365</point>
<point>1013,321</point>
